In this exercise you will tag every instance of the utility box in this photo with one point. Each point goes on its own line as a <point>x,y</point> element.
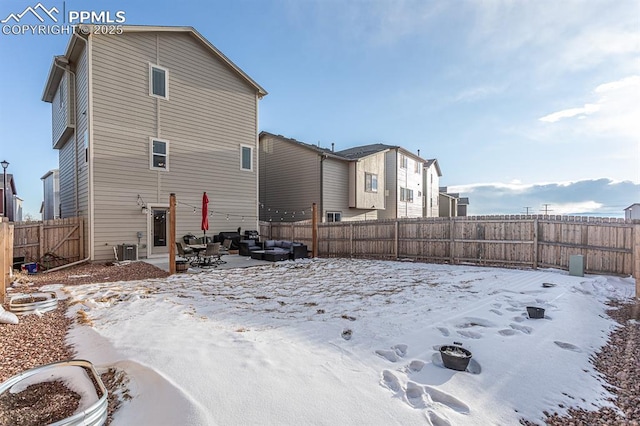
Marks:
<point>576,265</point>
<point>127,252</point>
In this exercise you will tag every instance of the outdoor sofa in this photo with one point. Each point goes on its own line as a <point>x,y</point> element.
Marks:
<point>275,250</point>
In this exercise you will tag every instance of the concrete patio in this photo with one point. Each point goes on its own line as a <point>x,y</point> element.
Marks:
<point>233,261</point>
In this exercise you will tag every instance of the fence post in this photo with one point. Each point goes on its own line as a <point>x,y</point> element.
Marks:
<point>314,230</point>
<point>451,242</point>
<point>172,233</point>
<point>6,255</point>
<point>41,242</point>
<point>636,258</point>
<point>535,243</point>
<point>350,239</point>
<point>396,238</point>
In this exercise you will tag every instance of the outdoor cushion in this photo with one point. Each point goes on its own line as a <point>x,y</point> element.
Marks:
<point>269,243</point>
<point>286,244</point>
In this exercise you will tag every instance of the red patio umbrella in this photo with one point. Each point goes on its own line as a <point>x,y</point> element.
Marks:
<point>205,215</point>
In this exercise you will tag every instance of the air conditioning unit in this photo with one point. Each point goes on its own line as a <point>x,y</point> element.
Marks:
<point>127,252</point>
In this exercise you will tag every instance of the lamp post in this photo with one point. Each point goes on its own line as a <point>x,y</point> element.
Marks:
<point>5,164</point>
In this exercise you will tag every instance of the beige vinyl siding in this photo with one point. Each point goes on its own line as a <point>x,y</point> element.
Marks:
<point>335,188</point>
<point>289,178</point>
<point>62,111</point>
<point>391,186</point>
<point>209,114</point>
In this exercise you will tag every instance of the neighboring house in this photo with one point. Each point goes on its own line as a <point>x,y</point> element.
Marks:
<point>10,197</point>
<point>51,187</point>
<point>17,208</point>
<point>632,212</point>
<point>294,175</point>
<point>140,115</point>
<point>431,185</point>
<point>403,184</point>
<point>448,206</point>
<point>452,204</point>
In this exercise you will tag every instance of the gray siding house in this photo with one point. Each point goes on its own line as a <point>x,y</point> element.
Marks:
<point>51,190</point>
<point>294,175</point>
<point>142,114</point>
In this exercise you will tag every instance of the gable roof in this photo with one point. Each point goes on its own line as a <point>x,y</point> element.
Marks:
<point>431,162</point>
<point>365,150</point>
<point>318,150</point>
<point>632,206</point>
<point>56,71</point>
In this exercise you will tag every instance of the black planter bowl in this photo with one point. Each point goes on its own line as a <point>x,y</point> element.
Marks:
<point>455,357</point>
<point>534,312</point>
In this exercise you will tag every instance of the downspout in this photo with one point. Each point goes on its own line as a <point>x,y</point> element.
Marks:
<point>67,69</point>
<point>322,158</point>
<point>75,101</point>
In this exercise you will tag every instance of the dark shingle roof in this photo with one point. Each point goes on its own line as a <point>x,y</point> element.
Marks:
<point>364,150</point>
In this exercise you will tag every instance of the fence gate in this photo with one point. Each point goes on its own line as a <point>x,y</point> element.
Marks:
<point>50,243</point>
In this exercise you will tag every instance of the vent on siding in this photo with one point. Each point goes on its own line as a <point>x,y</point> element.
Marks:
<point>127,252</point>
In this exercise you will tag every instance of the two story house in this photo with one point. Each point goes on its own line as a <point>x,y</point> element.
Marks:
<point>403,181</point>
<point>139,115</point>
<point>294,175</point>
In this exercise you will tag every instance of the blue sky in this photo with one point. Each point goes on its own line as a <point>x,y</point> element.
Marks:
<point>534,101</point>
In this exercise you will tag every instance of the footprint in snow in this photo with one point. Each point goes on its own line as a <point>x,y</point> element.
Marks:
<point>415,366</point>
<point>470,334</point>
<point>567,346</point>
<point>435,419</point>
<point>449,400</point>
<point>495,311</point>
<point>507,332</point>
<point>346,334</point>
<point>522,328</point>
<point>444,331</point>
<point>391,381</point>
<point>387,354</point>
<point>396,352</point>
<point>414,395</point>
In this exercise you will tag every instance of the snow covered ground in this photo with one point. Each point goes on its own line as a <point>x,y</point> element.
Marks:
<point>351,342</point>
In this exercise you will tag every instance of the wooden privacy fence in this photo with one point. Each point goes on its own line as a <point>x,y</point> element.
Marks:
<point>51,243</point>
<point>609,245</point>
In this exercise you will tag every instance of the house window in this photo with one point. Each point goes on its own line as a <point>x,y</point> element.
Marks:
<point>334,216</point>
<point>417,166</point>
<point>159,154</point>
<point>403,161</point>
<point>246,157</point>
<point>370,182</point>
<point>158,78</point>
<point>406,195</point>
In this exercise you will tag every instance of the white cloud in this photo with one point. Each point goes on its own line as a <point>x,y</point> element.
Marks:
<point>615,112</point>
<point>571,112</point>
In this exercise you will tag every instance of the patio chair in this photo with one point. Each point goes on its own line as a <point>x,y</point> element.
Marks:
<point>185,252</point>
<point>226,246</point>
<point>212,255</point>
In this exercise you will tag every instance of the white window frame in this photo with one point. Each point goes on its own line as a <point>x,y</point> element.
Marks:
<point>151,154</point>
<point>404,161</point>
<point>369,179</point>
<point>417,167</point>
<point>166,81</point>
<point>331,216</point>
<point>242,147</point>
